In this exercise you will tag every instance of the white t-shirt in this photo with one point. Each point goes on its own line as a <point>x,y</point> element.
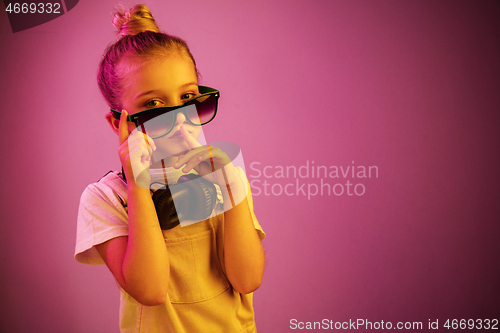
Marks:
<point>200,298</point>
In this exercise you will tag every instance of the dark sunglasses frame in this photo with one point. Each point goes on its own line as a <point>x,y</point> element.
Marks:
<point>141,117</point>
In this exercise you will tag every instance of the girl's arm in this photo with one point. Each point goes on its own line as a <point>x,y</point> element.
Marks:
<point>243,253</point>
<point>139,262</point>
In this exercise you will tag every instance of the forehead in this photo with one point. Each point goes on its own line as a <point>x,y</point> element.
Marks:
<point>165,72</point>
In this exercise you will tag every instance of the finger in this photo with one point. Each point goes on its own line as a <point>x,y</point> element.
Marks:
<point>135,141</point>
<point>194,161</point>
<point>186,157</point>
<point>139,160</point>
<point>208,157</point>
<point>139,139</point>
<point>139,153</point>
<point>216,156</point>
<point>191,142</point>
<point>122,127</point>
<point>139,136</point>
<point>149,141</point>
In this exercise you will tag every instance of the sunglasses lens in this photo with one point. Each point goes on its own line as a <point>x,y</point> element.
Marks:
<point>158,126</point>
<point>205,107</point>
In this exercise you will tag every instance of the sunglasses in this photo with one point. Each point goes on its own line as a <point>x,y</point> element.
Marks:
<point>158,122</point>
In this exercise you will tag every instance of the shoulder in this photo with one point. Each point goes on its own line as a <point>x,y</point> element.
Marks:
<point>102,215</point>
<point>104,202</point>
<point>110,188</point>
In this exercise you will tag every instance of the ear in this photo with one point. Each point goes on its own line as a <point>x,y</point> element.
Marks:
<point>113,122</point>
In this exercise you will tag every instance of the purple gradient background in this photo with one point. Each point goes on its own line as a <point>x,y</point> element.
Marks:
<point>409,86</point>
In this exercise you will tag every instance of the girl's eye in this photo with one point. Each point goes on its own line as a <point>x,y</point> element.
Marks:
<point>187,96</point>
<point>154,103</point>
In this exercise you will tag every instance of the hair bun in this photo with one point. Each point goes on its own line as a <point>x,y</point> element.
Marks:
<point>135,20</point>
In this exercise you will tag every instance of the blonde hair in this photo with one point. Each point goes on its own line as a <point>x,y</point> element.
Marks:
<point>140,39</point>
<point>135,20</point>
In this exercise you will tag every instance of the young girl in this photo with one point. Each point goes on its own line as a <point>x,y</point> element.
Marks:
<point>194,278</point>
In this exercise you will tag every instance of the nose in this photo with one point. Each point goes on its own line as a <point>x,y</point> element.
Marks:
<point>180,118</point>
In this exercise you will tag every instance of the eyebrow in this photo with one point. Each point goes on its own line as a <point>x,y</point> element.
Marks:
<point>152,91</point>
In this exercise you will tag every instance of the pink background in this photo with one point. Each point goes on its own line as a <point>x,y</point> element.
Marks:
<point>409,86</point>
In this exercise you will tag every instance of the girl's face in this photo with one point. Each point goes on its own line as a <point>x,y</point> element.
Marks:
<point>168,81</point>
